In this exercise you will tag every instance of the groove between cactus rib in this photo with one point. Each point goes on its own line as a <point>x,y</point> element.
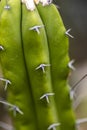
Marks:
<point>49,58</point>
<point>53,113</point>
<point>50,64</point>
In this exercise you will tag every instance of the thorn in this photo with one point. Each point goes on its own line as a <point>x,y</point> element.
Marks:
<point>53,126</point>
<point>80,121</point>
<point>36,28</point>
<point>7,6</point>
<point>70,65</point>
<point>67,33</point>
<point>42,66</point>
<point>6,82</point>
<point>1,48</point>
<point>12,107</point>
<point>29,4</point>
<point>5,126</point>
<point>50,1</point>
<point>16,109</point>
<point>46,2</point>
<point>46,96</point>
<point>71,94</point>
<point>74,86</point>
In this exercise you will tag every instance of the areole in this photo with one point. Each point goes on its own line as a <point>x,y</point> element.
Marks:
<point>30,4</point>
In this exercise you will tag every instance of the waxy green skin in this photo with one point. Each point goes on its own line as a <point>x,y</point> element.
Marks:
<point>24,50</point>
<point>59,59</point>
<point>13,66</point>
<point>36,53</point>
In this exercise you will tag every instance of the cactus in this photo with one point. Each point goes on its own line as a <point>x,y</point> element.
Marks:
<point>34,62</point>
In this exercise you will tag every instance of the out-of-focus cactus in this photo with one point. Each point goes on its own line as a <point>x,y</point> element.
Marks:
<point>34,62</point>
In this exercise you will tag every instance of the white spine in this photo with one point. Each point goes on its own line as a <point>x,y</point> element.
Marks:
<point>29,4</point>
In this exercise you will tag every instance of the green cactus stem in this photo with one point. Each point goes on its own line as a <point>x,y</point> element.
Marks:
<point>34,61</point>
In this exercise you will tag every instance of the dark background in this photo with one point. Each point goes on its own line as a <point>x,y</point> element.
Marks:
<point>74,15</point>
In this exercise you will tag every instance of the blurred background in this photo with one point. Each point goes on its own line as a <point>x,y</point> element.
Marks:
<point>74,15</point>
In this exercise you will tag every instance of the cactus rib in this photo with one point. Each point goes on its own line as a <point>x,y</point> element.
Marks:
<point>34,57</point>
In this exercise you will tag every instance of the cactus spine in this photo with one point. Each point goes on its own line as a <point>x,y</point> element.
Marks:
<point>34,61</point>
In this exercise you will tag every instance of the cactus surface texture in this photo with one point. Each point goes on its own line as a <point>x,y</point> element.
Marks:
<point>34,62</point>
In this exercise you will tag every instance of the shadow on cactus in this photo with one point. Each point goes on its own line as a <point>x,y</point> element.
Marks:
<point>35,66</point>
